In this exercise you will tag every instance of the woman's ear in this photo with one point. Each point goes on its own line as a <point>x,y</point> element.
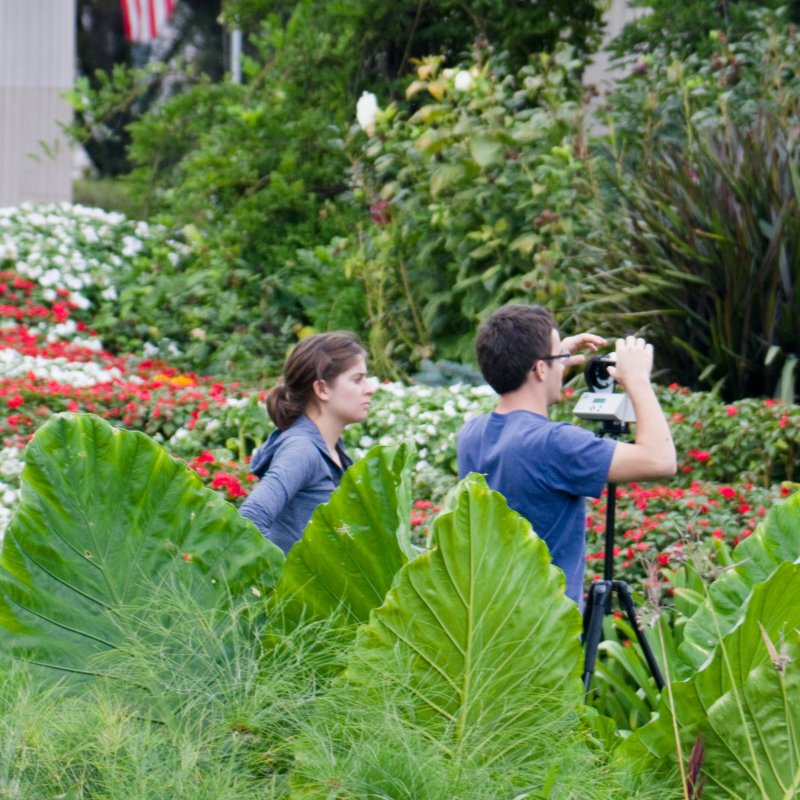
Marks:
<point>320,390</point>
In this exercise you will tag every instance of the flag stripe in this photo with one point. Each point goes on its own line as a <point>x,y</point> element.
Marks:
<point>144,19</point>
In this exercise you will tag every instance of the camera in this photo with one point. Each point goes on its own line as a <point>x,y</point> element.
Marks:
<point>596,373</point>
<point>602,402</point>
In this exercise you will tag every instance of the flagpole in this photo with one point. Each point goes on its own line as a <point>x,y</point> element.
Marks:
<point>236,55</point>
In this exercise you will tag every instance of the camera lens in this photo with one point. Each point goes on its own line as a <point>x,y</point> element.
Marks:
<point>596,373</point>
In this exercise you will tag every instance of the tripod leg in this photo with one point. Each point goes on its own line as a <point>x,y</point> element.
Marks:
<point>597,606</point>
<point>626,601</point>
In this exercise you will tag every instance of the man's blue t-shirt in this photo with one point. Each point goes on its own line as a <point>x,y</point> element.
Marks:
<point>545,470</point>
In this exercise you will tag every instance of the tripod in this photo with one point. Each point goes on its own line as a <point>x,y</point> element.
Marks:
<point>598,602</point>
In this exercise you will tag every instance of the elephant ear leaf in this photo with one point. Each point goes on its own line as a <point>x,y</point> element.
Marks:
<point>742,704</point>
<point>103,515</point>
<point>774,542</point>
<point>355,543</point>
<point>478,630</point>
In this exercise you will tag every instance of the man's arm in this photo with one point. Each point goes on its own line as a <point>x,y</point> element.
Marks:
<point>652,455</point>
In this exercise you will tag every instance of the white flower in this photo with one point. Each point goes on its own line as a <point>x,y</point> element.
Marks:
<point>463,81</point>
<point>367,112</point>
<point>51,278</point>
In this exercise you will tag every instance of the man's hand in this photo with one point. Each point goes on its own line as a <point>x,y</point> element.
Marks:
<point>652,455</point>
<point>634,361</point>
<point>581,341</point>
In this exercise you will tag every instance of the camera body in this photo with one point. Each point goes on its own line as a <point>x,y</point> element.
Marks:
<point>602,402</point>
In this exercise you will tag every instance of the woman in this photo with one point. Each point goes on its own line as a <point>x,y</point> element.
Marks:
<point>325,389</point>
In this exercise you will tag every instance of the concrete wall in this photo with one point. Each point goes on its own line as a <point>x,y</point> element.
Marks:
<point>37,64</point>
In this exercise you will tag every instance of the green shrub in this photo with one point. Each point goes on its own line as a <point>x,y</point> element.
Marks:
<point>475,194</point>
<point>710,262</point>
<point>698,250</point>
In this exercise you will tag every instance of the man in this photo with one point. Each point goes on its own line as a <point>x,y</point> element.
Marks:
<point>546,469</point>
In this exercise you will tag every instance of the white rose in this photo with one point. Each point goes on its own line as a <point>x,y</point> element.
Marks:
<point>366,112</point>
<point>463,81</point>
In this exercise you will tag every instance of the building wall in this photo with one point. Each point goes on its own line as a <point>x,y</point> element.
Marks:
<point>37,64</point>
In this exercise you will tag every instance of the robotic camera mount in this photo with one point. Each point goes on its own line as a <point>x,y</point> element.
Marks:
<point>615,411</point>
<point>601,402</point>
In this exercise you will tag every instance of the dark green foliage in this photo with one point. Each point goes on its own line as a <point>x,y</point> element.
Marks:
<point>102,50</point>
<point>386,37</point>
<point>685,25</point>
<point>664,96</point>
<point>711,260</point>
<point>463,190</point>
<point>696,244</point>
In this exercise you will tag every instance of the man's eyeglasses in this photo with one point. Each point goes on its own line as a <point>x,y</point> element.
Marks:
<point>553,358</point>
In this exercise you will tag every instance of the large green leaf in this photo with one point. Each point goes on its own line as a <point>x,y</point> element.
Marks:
<point>774,542</point>
<point>103,514</point>
<point>355,543</point>
<point>479,625</point>
<point>745,707</point>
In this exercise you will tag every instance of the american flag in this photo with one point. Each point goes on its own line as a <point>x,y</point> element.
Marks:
<point>144,19</point>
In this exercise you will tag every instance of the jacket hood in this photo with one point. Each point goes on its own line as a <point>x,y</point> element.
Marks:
<point>262,457</point>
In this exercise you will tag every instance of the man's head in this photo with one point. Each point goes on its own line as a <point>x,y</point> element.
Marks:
<point>510,343</point>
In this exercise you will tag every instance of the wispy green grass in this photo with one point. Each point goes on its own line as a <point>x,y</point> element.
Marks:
<point>226,704</point>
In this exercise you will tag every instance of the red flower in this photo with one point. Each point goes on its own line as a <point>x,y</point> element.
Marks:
<point>700,455</point>
<point>731,411</point>
<point>15,401</point>
<point>229,482</point>
<point>728,492</point>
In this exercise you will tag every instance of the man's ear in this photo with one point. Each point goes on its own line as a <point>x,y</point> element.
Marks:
<point>538,369</point>
<point>320,389</point>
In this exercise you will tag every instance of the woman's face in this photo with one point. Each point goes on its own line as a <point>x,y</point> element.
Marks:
<point>348,395</point>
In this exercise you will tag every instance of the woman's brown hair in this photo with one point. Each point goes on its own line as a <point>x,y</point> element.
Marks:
<point>323,356</point>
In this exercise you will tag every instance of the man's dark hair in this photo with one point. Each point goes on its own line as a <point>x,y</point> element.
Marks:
<point>510,342</point>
